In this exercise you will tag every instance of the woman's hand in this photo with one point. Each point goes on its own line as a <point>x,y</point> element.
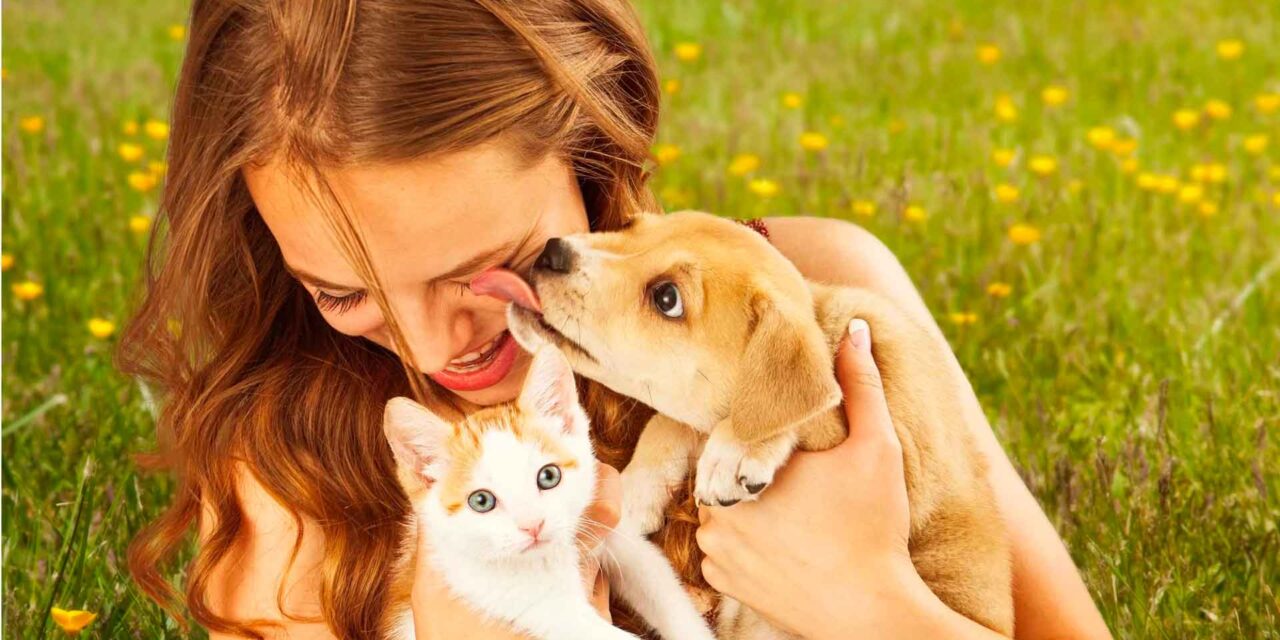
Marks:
<point>439,616</point>
<point>823,553</point>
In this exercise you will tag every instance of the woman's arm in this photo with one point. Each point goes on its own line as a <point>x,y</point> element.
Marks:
<point>1050,598</point>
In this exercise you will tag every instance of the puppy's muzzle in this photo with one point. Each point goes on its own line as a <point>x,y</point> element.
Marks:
<point>556,257</point>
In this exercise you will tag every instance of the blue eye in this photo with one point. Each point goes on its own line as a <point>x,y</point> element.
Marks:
<point>482,501</point>
<point>548,477</point>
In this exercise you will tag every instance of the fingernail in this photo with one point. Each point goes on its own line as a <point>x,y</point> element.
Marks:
<point>860,334</point>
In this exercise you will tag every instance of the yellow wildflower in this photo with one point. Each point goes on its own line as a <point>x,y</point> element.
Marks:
<point>1230,49</point>
<point>1216,173</point>
<point>1006,110</point>
<point>1101,137</point>
<point>1276,198</point>
<point>31,124</point>
<point>671,86</point>
<point>158,167</point>
<point>1207,209</point>
<point>665,154</point>
<point>1054,95</point>
<point>863,208</point>
<point>129,152</point>
<point>1042,165</point>
<point>6,261</point>
<point>1217,109</point>
<point>676,197</point>
<point>813,141</point>
<point>1024,234</point>
<point>792,100</point>
<point>744,163</point>
<point>1006,193</point>
<point>915,213</point>
<point>763,187</point>
<point>1186,119</point>
<point>1123,147</point>
<point>101,328</point>
<point>1003,157</point>
<point>129,128</point>
<point>1148,181</point>
<point>1256,144</point>
<point>1168,184</point>
<point>1267,102</point>
<point>988,53</point>
<point>72,622</point>
<point>999,290</point>
<point>177,32</point>
<point>140,224</point>
<point>1075,185</point>
<point>142,181</point>
<point>955,29</point>
<point>1191,194</point>
<point>1130,165</point>
<point>156,129</point>
<point>28,290</point>
<point>688,51</point>
<point>1274,172</point>
<point>962,318</point>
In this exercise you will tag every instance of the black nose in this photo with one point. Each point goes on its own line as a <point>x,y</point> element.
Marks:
<point>556,257</point>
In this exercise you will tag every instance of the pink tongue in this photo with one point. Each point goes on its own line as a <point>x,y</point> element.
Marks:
<point>504,284</point>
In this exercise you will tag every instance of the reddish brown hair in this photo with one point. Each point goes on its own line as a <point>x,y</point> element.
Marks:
<point>249,372</point>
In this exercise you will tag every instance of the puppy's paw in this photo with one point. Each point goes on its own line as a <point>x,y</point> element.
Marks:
<point>644,502</point>
<point>717,483</point>
<point>763,461</point>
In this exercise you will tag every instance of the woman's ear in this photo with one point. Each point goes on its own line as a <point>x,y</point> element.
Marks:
<point>786,375</point>
<point>417,436</point>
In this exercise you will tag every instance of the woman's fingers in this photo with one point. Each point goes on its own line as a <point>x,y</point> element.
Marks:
<point>864,401</point>
<point>605,511</point>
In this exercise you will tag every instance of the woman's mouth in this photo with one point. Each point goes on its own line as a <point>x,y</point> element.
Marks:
<point>481,367</point>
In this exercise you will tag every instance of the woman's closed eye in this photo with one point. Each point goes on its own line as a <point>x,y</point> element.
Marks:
<point>338,303</point>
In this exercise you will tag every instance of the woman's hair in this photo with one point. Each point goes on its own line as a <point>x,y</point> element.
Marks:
<point>251,376</point>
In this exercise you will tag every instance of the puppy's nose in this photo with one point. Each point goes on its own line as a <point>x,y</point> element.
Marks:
<point>556,257</point>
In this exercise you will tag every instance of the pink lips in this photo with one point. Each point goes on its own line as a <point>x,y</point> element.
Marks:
<point>505,284</point>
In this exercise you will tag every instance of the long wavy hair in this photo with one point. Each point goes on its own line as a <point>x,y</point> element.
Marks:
<point>248,372</point>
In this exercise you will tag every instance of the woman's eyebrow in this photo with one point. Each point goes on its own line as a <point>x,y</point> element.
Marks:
<point>316,281</point>
<point>483,259</point>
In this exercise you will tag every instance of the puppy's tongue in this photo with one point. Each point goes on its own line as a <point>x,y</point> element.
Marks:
<point>504,284</point>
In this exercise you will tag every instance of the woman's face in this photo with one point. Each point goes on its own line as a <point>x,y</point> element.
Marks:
<point>430,226</point>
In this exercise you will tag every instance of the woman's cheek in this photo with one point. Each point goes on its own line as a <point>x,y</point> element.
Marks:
<point>363,321</point>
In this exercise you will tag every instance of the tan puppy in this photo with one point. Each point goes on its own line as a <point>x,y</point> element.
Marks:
<point>706,322</point>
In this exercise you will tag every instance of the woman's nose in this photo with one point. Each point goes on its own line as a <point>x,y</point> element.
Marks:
<point>436,331</point>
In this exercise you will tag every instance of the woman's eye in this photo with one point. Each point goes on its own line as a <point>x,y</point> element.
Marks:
<point>338,304</point>
<point>482,501</point>
<point>548,477</point>
<point>666,299</point>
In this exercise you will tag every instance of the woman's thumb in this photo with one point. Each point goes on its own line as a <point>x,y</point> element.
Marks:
<point>864,402</point>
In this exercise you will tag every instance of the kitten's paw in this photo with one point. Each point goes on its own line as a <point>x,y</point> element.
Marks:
<point>644,502</point>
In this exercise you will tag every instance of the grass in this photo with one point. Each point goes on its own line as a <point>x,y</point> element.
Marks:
<point>1132,371</point>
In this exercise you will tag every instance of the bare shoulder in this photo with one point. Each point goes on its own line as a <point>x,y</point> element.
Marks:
<point>838,252</point>
<point>258,578</point>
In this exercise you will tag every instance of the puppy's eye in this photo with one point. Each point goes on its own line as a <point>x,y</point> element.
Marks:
<point>666,299</point>
<point>482,501</point>
<point>548,477</point>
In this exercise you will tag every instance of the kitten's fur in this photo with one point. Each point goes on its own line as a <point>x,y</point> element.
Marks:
<point>484,557</point>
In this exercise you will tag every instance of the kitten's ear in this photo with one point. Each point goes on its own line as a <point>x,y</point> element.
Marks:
<point>417,436</point>
<point>549,389</point>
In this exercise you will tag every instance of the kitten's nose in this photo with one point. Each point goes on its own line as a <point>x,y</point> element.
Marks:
<point>556,257</point>
<point>533,529</point>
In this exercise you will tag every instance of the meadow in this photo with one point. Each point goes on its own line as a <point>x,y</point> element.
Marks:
<point>1087,194</point>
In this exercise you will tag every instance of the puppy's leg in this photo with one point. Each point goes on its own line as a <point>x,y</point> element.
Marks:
<point>963,556</point>
<point>730,471</point>
<point>660,463</point>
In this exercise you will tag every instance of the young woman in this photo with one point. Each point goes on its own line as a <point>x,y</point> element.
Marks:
<point>339,170</point>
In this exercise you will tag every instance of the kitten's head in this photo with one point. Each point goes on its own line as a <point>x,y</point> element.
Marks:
<point>511,480</point>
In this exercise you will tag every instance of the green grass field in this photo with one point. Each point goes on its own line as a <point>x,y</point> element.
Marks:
<point>1116,301</point>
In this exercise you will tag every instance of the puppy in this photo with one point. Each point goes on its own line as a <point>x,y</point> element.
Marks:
<point>706,322</point>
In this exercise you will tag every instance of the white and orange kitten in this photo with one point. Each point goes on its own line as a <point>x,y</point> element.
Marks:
<point>501,495</point>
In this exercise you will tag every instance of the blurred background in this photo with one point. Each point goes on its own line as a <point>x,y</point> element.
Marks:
<point>1087,194</point>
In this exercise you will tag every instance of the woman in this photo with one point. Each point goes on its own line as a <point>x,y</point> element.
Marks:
<point>339,170</point>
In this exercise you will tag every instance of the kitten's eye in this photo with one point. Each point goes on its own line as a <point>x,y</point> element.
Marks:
<point>666,299</point>
<point>548,477</point>
<point>482,501</point>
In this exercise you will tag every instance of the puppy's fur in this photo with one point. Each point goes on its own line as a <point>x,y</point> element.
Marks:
<point>745,372</point>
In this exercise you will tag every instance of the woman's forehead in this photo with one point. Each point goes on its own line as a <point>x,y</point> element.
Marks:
<point>418,217</point>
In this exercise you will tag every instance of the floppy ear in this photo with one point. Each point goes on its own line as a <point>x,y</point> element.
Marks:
<point>786,375</point>
<point>417,436</point>
<point>549,389</point>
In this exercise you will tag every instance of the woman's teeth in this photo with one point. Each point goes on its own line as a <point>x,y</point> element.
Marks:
<point>472,359</point>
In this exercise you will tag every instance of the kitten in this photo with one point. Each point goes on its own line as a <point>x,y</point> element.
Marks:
<point>502,495</point>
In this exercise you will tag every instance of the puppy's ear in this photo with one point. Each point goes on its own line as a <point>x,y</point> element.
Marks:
<point>417,436</point>
<point>787,374</point>
<point>549,390</point>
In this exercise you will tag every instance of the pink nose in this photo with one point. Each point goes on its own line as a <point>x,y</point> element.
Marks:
<point>532,529</point>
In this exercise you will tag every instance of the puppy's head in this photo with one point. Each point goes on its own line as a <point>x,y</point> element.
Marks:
<point>695,315</point>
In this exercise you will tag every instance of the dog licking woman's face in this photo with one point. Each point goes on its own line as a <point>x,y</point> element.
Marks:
<point>678,311</point>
